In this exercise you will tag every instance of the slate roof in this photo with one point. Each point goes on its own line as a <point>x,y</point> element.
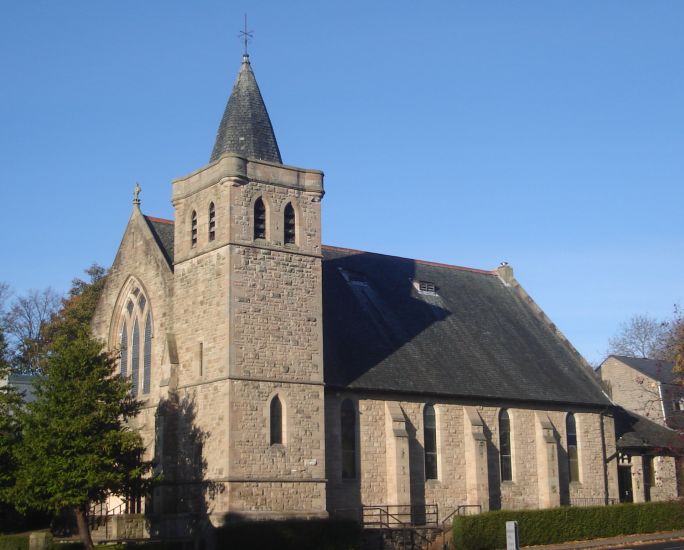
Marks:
<point>246,128</point>
<point>163,233</point>
<point>638,434</point>
<point>656,369</point>
<point>473,338</point>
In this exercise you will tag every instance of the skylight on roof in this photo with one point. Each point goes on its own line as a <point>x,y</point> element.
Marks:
<point>425,287</point>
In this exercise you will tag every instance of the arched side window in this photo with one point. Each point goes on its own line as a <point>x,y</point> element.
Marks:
<point>430,442</point>
<point>212,222</point>
<point>259,219</point>
<point>348,436</point>
<point>573,458</point>
<point>135,340</point>
<point>276,421</point>
<point>289,225</point>
<point>193,229</point>
<point>505,446</point>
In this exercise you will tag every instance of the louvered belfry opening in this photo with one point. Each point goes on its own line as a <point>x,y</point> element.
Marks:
<point>259,219</point>
<point>193,229</point>
<point>290,231</point>
<point>212,222</point>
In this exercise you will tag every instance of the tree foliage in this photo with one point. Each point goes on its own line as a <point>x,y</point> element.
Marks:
<point>24,323</point>
<point>10,403</point>
<point>646,337</point>
<point>76,447</point>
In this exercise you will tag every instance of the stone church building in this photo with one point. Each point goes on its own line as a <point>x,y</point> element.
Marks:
<point>283,378</point>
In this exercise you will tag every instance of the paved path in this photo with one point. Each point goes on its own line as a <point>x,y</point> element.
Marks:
<point>669,540</point>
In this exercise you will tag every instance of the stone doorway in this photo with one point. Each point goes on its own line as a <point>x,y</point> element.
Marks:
<point>625,483</point>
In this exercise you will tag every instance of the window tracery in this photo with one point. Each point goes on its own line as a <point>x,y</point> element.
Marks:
<point>135,341</point>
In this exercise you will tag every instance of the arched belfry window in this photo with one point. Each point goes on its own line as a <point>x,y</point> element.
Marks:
<point>193,229</point>
<point>348,436</point>
<point>259,219</point>
<point>135,340</point>
<point>276,421</point>
<point>573,458</point>
<point>289,225</point>
<point>505,446</point>
<point>430,441</point>
<point>212,222</point>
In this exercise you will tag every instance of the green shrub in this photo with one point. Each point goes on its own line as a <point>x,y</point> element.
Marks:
<point>291,535</point>
<point>14,542</point>
<point>488,530</point>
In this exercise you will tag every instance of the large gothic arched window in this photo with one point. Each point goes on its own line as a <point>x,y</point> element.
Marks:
<point>135,341</point>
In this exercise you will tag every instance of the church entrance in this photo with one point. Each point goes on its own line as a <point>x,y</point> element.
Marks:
<point>625,483</point>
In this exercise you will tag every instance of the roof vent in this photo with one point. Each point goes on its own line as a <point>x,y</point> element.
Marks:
<point>425,287</point>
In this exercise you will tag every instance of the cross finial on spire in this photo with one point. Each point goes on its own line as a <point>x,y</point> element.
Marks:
<point>246,36</point>
<point>136,193</point>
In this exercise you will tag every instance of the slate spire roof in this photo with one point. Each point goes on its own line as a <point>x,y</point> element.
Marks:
<point>246,128</point>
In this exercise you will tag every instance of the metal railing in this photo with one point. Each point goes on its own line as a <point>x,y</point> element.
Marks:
<point>460,510</point>
<point>403,521</point>
<point>404,515</point>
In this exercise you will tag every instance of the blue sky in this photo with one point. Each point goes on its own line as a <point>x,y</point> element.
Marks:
<point>549,134</point>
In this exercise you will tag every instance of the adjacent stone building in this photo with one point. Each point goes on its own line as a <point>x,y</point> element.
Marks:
<point>283,378</point>
<point>648,426</point>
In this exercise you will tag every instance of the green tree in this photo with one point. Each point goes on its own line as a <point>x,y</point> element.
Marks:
<point>76,447</point>
<point>10,402</point>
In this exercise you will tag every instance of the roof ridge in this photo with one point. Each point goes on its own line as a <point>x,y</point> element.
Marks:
<point>158,220</point>
<point>423,262</point>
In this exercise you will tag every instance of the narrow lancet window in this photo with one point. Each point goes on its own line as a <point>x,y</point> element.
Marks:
<point>259,219</point>
<point>276,421</point>
<point>430,442</point>
<point>212,222</point>
<point>290,235</point>
<point>348,433</point>
<point>573,458</point>
<point>135,358</point>
<point>123,350</point>
<point>147,354</point>
<point>193,229</point>
<point>505,446</point>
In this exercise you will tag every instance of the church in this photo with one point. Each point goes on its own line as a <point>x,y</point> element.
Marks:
<point>283,378</point>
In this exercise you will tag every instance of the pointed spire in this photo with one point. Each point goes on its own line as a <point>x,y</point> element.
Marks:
<point>246,128</point>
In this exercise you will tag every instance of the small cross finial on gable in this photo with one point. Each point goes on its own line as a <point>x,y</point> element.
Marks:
<point>246,36</point>
<point>136,194</point>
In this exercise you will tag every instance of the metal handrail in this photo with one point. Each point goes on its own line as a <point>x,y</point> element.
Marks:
<point>456,512</point>
<point>430,513</point>
<point>404,526</point>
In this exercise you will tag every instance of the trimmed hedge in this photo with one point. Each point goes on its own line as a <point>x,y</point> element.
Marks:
<point>291,535</point>
<point>14,542</point>
<point>487,531</point>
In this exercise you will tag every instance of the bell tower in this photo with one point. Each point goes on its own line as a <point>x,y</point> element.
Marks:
<point>248,315</point>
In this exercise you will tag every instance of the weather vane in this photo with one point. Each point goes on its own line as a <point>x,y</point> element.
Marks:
<point>246,35</point>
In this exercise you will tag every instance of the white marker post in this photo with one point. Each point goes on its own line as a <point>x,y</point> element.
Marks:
<point>512,539</point>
